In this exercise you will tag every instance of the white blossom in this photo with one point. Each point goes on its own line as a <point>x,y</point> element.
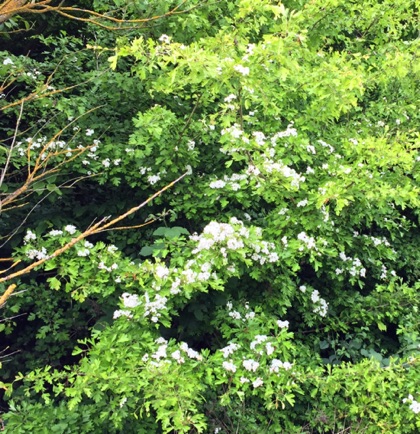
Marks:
<point>177,356</point>
<point>161,271</point>
<point>119,313</point>
<point>230,98</point>
<point>130,300</point>
<point>29,236</point>
<point>165,39</point>
<point>257,340</point>
<point>55,233</point>
<point>276,365</point>
<point>161,352</point>
<point>283,324</point>
<point>37,254</point>
<point>244,70</point>
<point>229,366</point>
<point>153,179</point>
<point>414,405</point>
<point>217,184</point>
<point>228,350</point>
<point>235,315</point>
<point>70,229</point>
<point>269,348</point>
<point>250,365</point>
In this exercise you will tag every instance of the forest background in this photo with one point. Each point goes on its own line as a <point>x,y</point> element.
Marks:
<point>209,216</point>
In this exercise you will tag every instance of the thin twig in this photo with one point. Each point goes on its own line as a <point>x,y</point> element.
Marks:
<point>94,229</point>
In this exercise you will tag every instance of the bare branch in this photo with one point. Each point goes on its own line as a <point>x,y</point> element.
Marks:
<point>94,229</point>
<point>10,8</point>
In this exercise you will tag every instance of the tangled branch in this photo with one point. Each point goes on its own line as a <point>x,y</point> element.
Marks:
<point>100,226</point>
<point>10,8</point>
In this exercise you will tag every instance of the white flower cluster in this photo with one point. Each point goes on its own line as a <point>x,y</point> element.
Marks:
<point>178,356</point>
<point>276,365</point>
<point>264,252</point>
<point>268,163</point>
<point>130,301</point>
<point>161,271</point>
<point>270,166</point>
<point>377,241</point>
<point>260,345</point>
<point>153,179</point>
<point>55,233</point>
<point>70,229</point>
<point>258,339</point>
<point>259,138</point>
<point>321,306</point>
<point>289,132</point>
<point>244,70</point>
<point>221,233</point>
<point>122,312</point>
<point>37,254</point>
<point>41,142</point>
<point>283,324</point>
<point>85,250</point>
<point>29,237</point>
<point>231,181</point>
<point>250,365</point>
<point>237,315</point>
<point>192,354</point>
<point>230,98</point>
<point>189,275</point>
<point>385,274</point>
<point>165,39</point>
<point>414,405</point>
<point>355,268</point>
<point>231,237</point>
<point>161,351</point>
<point>229,349</point>
<point>153,308</point>
<point>110,268</point>
<point>234,131</point>
<point>229,366</point>
<point>309,242</point>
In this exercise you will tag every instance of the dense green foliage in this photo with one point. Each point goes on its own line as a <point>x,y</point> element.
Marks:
<point>274,288</point>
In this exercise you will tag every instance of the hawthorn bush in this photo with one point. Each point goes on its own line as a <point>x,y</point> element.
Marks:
<point>210,219</point>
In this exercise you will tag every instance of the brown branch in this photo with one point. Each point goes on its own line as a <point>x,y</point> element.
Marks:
<point>14,7</point>
<point>96,228</point>
<point>67,184</point>
<point>40,170</point>
<point>7,294</point>
<point>36,95</point>
<point>12,266</point>
<point>121,228</point>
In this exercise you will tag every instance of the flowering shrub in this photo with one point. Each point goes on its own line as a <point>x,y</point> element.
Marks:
<point>274,287</point>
